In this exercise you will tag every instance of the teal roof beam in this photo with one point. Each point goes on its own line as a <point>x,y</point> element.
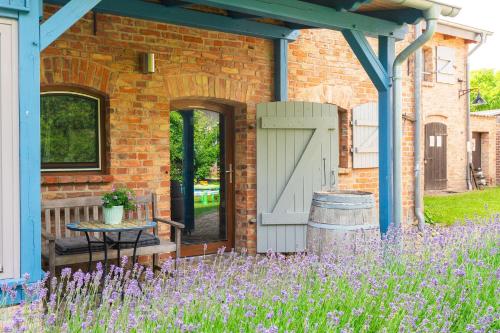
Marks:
<point>310,14</point>
<point>400,16</point>
<point>191,18</point>
<point>368,59</point>
<point>63,19</point>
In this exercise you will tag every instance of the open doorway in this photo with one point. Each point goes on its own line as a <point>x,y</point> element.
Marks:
<point>202,178</point>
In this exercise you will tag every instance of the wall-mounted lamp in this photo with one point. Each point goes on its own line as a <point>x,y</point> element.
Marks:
<point>479,100</point>
<point>148,62</point>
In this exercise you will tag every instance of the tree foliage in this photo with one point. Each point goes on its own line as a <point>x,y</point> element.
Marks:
<point>69,129</point>
<point>206,144</point>
<point>487,81</point>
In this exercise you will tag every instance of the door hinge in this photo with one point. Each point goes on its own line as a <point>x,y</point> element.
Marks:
<point>1,268</point>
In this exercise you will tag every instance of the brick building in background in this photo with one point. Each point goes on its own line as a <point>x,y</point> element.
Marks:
<point>230,74</point>
<point>487,143</point>
<point>444,105</point>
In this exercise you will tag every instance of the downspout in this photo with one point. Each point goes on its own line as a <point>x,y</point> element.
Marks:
<point>417,199</point>
<point>431,16</point>
<point>468,134</point>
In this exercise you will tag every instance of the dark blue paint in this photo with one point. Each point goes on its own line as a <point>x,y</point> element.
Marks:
<point>188,168</point>
<point>368,59</point>
<point>387,50</point>
<point>281,70</point>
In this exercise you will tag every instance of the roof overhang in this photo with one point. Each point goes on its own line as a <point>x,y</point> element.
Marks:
<point>446,9</point>
<point>465,32</point>
<point>281,19</point>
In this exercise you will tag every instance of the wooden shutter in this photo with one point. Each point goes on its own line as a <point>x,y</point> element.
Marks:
<point>365,136</point>
<point>9,152</point>
<point>445,65</point>
<point>297,154</point>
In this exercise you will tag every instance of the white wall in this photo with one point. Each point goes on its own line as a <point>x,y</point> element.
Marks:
<point>9,151</point>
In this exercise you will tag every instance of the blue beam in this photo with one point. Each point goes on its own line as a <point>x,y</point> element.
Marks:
<point>191,18</point>
<point>63,19</point>
<point>281,70</point>
<point>401,16</point>
<point>188,168</point>
<point>310,14</point>
<point>29,142</point>
<point>20,5</point>
<point>386,51</point>
<point>368,59</point>
<point>341,4</point>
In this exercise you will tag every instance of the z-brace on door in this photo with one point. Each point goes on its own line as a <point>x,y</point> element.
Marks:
<point>297,154</point>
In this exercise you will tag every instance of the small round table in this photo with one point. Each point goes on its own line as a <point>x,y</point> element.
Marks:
<point>98,226</point>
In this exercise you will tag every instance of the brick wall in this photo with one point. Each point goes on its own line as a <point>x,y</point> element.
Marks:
<point>441,103</point>
<point>220,67</point>
<point>487,126</point>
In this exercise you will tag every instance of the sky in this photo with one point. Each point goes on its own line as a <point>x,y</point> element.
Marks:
<point>483,14</point>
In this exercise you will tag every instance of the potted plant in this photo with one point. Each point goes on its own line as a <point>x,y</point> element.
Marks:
<point>115,203</point>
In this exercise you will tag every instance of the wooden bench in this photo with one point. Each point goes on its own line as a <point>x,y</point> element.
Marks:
<point>58,213</point>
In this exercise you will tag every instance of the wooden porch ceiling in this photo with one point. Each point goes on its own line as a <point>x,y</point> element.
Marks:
<point>277,19</point>
<point>372,8</point>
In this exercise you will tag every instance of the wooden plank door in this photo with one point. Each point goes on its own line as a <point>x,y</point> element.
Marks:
<point>435,156</point>
<point>476,150</point>
<point>297,154</point>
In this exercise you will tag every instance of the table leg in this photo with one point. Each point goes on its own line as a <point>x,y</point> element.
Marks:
<point>105,253</point>
<point>89,246</point>
<point>135,246</point>
<point>118,249</point>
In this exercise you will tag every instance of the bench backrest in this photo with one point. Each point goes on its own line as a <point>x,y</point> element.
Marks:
<point>56,214</point>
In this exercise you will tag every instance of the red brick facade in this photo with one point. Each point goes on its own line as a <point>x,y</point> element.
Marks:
<point>217,67</point>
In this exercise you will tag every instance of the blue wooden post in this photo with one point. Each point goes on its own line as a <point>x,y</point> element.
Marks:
<point>387,47</point>
<point>281,70</point>
<point>188,168</point>
<point>29,133</point>
<point>379,69</point>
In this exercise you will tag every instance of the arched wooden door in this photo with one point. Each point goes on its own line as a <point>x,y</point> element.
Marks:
<point>435,156</point>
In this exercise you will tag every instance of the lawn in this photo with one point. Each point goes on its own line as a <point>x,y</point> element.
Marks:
<point>201,209</point>
<point>445,283</point>
<point>450,208</point>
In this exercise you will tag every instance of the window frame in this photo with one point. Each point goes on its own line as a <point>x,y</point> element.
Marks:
<point>84,167</point>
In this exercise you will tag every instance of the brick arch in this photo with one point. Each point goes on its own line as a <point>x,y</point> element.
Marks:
<point>77,71</point>
<point>436,117</point>
<point>214,88</point>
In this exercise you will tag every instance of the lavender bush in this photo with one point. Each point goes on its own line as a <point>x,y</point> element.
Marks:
<point>446,280</point>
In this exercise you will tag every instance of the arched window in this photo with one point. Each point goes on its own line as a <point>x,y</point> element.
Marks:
<point>72,130</point>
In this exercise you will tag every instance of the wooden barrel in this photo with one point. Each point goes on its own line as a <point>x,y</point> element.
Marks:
<point>341,221</point>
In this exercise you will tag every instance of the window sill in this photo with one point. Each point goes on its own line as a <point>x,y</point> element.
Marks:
<point>75,179</point>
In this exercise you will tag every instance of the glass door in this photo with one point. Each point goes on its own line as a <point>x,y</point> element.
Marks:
<point>201,173</point>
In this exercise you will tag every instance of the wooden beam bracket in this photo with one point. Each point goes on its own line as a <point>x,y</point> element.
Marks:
<point>63,19</point>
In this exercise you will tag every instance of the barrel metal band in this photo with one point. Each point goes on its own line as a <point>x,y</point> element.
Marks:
<point>342,227</point>
<point>343,205</point>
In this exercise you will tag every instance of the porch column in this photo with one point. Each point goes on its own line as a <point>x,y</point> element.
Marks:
<point>188,168</point>
<point>386,54</point>
<point>280,70</point>
<point>29,141</point>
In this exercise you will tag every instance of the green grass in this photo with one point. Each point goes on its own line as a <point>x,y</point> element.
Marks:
<point>448,209</point>
<point>201,209</point>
